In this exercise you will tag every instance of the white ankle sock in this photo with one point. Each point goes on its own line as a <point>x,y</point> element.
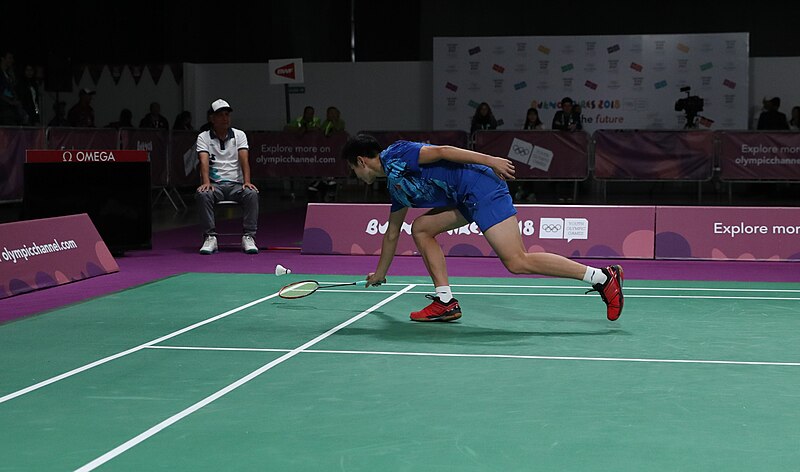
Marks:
<point>594,276</point>
<point>444,293</point>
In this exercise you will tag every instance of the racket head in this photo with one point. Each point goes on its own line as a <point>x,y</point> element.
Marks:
<point>300,289</point>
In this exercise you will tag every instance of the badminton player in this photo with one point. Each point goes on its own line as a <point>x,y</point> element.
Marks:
<point>460,186</point>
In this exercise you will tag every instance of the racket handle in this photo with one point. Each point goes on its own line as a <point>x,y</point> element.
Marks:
<point>364,282</point>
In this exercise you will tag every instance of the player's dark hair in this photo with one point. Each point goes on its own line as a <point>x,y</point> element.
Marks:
<point>360,145</point>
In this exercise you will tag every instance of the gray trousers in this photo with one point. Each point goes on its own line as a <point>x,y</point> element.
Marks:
<point>228,191</point>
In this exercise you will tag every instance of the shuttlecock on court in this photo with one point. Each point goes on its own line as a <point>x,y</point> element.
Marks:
<point>281,270</point>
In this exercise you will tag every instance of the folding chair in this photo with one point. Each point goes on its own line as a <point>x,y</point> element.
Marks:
<point>225,211</point>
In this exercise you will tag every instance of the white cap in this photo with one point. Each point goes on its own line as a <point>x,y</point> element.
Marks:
<point>220,105</point>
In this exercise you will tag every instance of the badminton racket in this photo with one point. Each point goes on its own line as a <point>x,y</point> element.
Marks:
<point>305,288</point>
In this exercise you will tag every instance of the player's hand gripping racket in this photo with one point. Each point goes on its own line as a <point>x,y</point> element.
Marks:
<point>305,288</point>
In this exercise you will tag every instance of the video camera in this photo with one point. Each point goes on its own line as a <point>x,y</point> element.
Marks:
<point>691,105</point>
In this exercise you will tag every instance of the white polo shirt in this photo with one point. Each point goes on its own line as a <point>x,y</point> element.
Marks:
<point>223,155</point>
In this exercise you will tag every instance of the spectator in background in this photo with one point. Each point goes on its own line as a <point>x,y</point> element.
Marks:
<point>483,119</point>
<point>224,153</point>
<point>532,120</point>
<point>207,125</point>
<point>125,120</point>
<point>306,122</point>
<point>794,121</point>
<point>81,115</point>
<point>29,93</point>
<point>566,119</point>
<point>523,191</point>
<point>772,118</point>
<point>183,121</point>
<point>11,111</point>
<point>60,118</point>
<point>154,119</point>
<point>333,121</point>
<point>324,190</point>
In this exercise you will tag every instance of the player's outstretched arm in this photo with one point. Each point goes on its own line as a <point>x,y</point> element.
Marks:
<point>388,246</point>
<point>504,168</point>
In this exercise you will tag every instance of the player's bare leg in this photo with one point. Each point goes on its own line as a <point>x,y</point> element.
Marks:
<point>506,241</point>
<point>424,230</point>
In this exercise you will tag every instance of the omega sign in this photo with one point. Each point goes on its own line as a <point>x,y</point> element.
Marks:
<point>88,156</point>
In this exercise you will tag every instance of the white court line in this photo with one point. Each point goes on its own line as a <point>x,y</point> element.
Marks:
<point>511,294</point>
<point>682,289</point>
<point>102,361</point>
<point>489,356</point>
<point>572,287</point>
<point>188,411</point>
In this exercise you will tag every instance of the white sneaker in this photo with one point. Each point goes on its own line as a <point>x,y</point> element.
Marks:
<point>249,244</point>
<point>209,245</point>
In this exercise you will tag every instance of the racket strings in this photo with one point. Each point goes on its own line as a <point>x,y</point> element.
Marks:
<point>299,289</point>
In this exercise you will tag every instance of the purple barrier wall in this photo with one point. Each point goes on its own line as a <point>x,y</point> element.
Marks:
<point>552,155</point>
<point>42,253</point>
<point>13,143</point>
<point>183,168</point>
<point>82,138</point>
<point>653,155</point>
<point>295,154</point>
<point>574,231</point>
<point>619,154</point>
<point>445,137</point>
<point>155,142</point>
<point>758,155</point>
<point>728,233</point>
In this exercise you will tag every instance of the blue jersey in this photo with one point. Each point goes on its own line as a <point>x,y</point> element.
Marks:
<point>440,184</point>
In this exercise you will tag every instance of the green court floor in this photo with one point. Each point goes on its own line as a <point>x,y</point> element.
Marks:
<point>213,372</point>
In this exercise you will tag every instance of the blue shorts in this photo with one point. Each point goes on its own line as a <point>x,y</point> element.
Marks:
<point>486,200</point>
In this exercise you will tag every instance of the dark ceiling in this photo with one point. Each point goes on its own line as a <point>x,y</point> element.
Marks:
<point>320,31</point>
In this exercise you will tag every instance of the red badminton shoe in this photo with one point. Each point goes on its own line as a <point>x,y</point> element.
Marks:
<point>438,311</point>
<point>611,291</point>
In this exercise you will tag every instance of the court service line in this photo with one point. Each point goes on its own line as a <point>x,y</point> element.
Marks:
<point>220,393</point>
<point>489,356</point>
<point>511,294</point>
<point>104,360</point>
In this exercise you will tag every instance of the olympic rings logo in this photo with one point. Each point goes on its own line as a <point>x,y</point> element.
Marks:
<point>551,228</point>
<point>519,150</point>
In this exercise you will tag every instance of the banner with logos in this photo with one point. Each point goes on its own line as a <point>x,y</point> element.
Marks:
<point>620,81</point>
<point>728,233</point>
<point>36,254</point>
<point>296,154</point>
<point>573,231</point>
<point>13,143</point>
<point>539,154</point>
<point>653,155</point>
<point>758,155</point>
